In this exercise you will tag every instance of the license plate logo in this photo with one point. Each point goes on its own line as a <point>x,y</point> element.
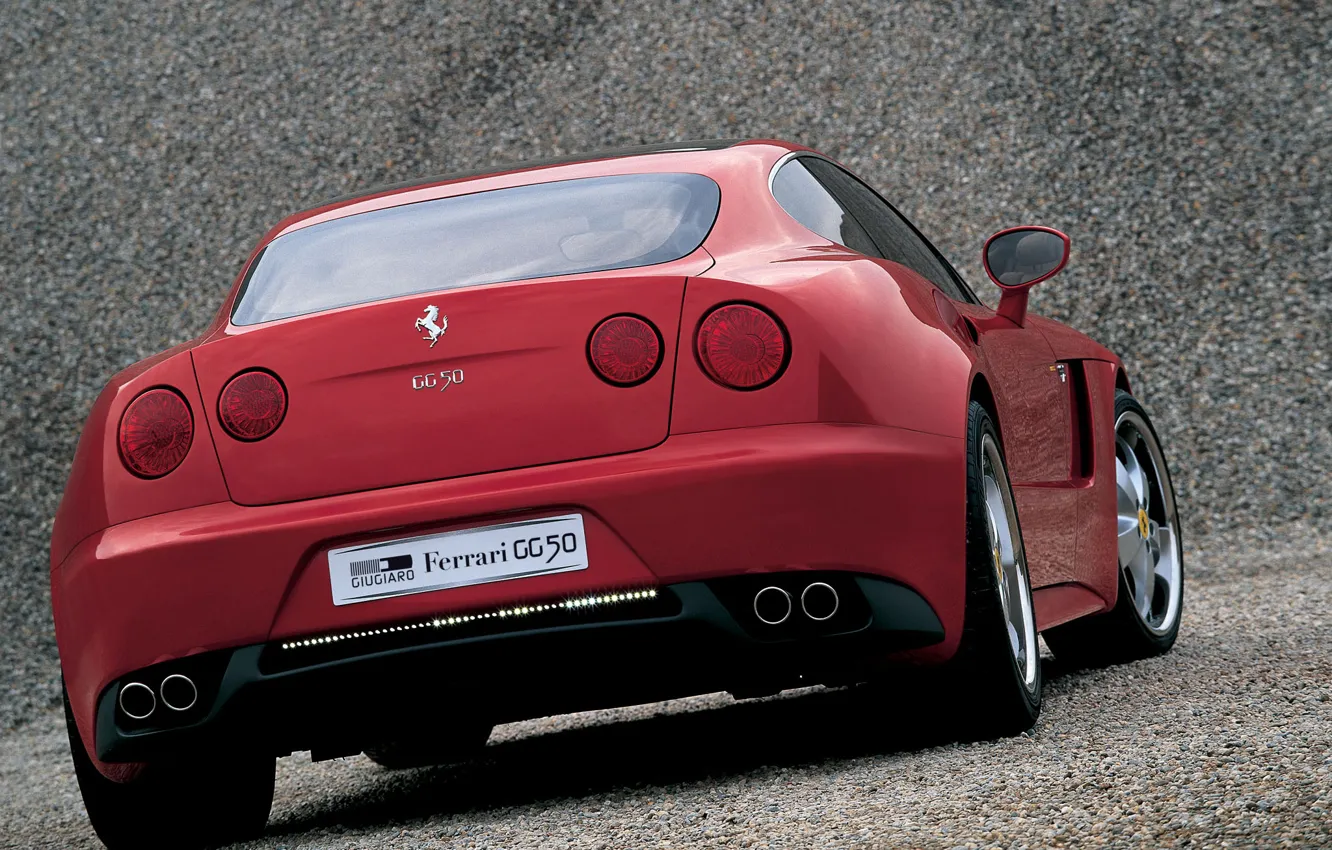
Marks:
<point>379,566</point>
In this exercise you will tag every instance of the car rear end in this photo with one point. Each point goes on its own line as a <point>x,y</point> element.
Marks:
<point>494,448</point>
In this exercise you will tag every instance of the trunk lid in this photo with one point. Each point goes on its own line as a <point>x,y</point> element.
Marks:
<point>372,403</point>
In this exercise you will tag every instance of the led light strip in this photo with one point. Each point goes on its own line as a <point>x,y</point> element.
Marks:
<point>502,613</point>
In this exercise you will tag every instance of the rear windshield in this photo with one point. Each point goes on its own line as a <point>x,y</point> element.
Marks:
<point>566,227</point>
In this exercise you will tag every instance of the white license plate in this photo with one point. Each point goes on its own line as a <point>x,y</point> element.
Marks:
<point>533,547</point>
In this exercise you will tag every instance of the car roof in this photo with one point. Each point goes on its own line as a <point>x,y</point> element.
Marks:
<point>518,173</point>
<point>570,159</point>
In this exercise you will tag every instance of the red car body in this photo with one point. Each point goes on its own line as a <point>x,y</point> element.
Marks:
<point>852,461</point>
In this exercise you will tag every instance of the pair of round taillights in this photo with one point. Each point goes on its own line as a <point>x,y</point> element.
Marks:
<point>157,428</point>
<point>739,346</point>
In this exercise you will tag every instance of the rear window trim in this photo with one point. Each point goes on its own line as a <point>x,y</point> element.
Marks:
<point>693,259</point>
<point>241,291</point>
<point>245,284</point>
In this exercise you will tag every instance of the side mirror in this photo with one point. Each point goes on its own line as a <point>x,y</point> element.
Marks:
<point>1019,258</point>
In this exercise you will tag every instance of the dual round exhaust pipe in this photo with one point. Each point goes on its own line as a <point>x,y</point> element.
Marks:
<point>177,692</point>
<point>774,606</point>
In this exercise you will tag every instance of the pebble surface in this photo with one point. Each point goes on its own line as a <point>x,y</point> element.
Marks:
<point>1224,742</point>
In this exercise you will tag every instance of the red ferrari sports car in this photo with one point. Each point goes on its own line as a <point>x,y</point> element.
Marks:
<point>673,420</point>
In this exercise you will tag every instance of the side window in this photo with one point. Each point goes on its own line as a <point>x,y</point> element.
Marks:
<point>895,238</point>
<point>808,202</point>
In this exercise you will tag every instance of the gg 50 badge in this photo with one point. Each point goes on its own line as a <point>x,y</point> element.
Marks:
<point>442,379</point>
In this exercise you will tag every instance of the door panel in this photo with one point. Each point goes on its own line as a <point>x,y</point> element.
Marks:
<point>1032,392</point>
<point>1049,518</point>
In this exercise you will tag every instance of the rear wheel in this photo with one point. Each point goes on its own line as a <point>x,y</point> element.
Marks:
<point>992,687</point>
<point>176,805</point>
<point>1146,616</point>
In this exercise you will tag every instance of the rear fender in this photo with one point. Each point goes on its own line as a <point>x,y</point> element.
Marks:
<point>862,351</point>
<point>101,492</point>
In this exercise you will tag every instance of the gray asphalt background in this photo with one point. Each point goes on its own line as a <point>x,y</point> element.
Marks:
<point>1184,146</point>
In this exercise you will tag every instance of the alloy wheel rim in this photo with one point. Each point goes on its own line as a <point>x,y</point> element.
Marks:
<point>1150,555</point>
<point>1009,562</point>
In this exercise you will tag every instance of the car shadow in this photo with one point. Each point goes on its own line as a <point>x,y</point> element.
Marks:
<point>714,743</point>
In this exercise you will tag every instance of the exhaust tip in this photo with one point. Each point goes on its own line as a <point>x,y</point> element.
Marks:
<point>137,700</point>
<point>179,692</point>
<point>772,605</point>
<point>819,601</point>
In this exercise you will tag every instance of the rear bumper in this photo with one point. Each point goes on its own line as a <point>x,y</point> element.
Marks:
<point>876,501</point>
<point>344,705</point>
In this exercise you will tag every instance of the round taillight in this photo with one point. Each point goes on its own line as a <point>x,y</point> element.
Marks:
<point>252,405</point>
<point>155,433</point>
<point>625,350</point>
<point>741,346</point>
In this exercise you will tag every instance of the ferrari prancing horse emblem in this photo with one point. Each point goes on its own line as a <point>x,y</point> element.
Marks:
<point>427,324</point>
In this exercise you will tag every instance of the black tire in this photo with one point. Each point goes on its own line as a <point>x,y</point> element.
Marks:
<point>178,805</point>
<point>1118,635</point>
<point>462,744</point>
<point>987,692</point>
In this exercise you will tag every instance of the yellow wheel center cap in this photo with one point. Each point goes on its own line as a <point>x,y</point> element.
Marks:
<point>1143,526</point>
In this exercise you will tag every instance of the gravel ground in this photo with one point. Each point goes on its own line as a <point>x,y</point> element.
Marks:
<point>1223,742</point>
<point>1185,146</point>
